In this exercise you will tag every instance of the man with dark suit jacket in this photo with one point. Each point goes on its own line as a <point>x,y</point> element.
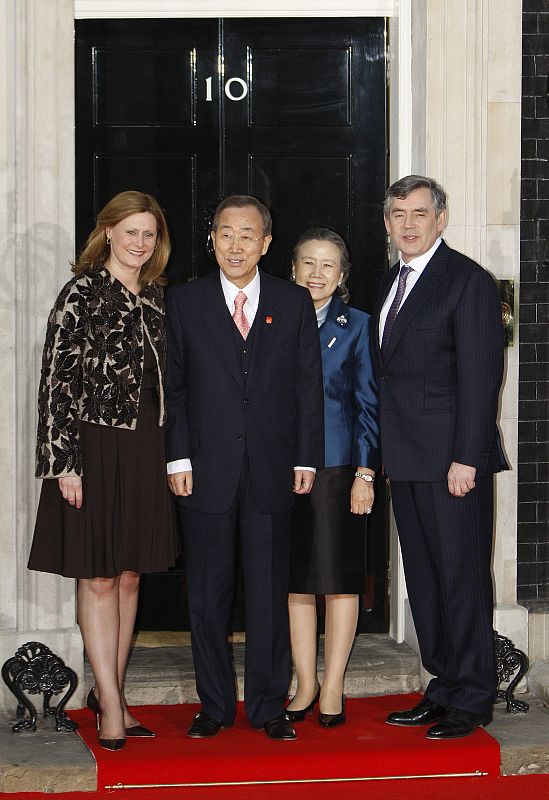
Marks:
<point>438,356</point>
<point>245,427</point>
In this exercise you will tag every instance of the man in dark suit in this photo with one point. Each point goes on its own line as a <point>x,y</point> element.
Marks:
<point>245,427</point>
<point>438,356</point>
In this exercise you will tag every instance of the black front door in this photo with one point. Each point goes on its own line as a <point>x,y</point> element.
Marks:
<point>292,111</point>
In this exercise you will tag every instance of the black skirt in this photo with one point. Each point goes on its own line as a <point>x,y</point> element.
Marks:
<point>126,521</point>
<point>328,542</point>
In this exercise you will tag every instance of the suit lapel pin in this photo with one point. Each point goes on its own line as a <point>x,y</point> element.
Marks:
<point>268,320</point>
<point>342,319</point>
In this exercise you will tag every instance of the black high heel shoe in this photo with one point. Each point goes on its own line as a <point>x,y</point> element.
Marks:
<point>134,731</point>
<point>298,715</point>
<point>109,744</point>
<point>331,720</point>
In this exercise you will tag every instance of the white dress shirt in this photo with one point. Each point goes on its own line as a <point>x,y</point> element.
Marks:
<point>230,291</point>
<point>418,265</point>
<point>252,295</point>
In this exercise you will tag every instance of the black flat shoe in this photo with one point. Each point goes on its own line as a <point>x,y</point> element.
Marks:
<point>298,715</point>
<point>280,729</point>
<point>423,714</point>
<point>331,720</point>
<point>204,726</point>
<point>457,724</point>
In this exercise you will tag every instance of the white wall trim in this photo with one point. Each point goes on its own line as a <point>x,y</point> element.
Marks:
<point>156,9</point>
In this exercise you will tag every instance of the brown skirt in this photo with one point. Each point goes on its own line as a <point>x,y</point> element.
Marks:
<point>126,521</point>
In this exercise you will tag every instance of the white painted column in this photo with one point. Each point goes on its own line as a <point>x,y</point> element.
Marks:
<point>466,57</point>
<point>37,236</point>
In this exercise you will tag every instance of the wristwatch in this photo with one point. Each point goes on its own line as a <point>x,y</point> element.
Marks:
<point>367,478</point>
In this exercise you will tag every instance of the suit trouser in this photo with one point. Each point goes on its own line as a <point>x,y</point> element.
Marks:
<point>446,546</point>
<point>210,557</point>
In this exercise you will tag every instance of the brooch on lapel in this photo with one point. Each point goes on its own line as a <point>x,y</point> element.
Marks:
<point>268,320</point>
<point>342,319</point>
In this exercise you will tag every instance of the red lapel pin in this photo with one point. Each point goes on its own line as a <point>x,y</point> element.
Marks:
<point>268,320</point>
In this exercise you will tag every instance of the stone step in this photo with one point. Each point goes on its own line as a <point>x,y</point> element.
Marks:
<point>165,674</point>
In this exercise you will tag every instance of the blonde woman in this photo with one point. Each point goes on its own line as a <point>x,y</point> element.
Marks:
<point>105,513</point>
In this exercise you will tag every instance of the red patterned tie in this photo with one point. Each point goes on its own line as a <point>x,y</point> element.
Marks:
<point>239,316</point>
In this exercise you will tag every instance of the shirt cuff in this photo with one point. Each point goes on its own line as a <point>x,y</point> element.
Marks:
<point>307,469</point>
<point>181,465</point>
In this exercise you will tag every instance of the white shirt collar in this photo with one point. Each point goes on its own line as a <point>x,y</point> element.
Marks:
<point>418,264</point>
<point>322,312</point>
<point>251,290</point>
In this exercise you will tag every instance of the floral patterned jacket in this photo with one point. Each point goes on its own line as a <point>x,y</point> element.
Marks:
<point>92,365</point>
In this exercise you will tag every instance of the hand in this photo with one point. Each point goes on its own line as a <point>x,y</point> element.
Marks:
<point>303,481</point>
<point>362,493</point>
<point>461,479</point>
<point>71,489</point>
<point>181,483</point>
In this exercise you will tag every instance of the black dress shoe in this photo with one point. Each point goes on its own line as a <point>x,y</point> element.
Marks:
<point>204,726</point>
<point>280,728</point>
<point>423,714</point>
<point>298,715</point>
<point>457,723</point>
<point>331,720</point>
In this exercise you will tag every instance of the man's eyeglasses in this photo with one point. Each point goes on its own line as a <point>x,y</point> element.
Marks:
<point>243,239</point>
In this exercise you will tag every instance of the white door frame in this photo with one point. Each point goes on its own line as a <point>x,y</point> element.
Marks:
<point>399,13</point>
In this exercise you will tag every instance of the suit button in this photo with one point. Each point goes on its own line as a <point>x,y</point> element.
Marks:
<point>383,378</point>
<point>246,401</point>
<point>240,438</point>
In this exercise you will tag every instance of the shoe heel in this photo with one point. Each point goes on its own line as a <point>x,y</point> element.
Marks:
<point>298,715</point>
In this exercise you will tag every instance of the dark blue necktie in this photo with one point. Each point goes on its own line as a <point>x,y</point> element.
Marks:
<point>395,305</point>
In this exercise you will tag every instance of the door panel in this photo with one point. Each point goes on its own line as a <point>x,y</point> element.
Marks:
<point>292,183</point>
<point>286,89</point>
<point>130,88</point>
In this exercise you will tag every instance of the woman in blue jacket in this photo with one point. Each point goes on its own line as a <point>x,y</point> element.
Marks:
<point>329,529</point>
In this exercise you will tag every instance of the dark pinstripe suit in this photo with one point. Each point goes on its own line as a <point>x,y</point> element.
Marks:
<point>438,396</point>
<point>244,435</point>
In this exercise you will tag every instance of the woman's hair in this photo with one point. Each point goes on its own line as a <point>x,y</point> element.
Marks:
<point>96,249</point>
<point>326,235</point>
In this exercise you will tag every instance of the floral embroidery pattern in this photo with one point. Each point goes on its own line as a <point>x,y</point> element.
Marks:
<point>92,364</point>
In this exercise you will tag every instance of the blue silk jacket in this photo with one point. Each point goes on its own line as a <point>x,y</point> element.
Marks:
<point>350,391</point>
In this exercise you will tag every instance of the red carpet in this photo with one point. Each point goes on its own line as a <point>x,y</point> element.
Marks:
<point>432,789</point>
<point>345,761</point>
